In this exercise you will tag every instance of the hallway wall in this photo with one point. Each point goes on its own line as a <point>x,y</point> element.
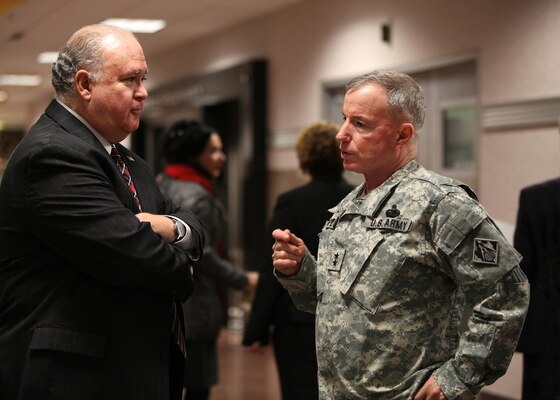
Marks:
<point>321,41</point>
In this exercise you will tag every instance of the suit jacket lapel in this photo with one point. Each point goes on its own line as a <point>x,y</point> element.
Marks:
<point>72,124</point>
<point>76,128</point>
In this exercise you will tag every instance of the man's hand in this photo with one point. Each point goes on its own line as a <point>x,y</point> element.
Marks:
<point>430,391</point>
<point>287,252</point>
<point>161,225</point>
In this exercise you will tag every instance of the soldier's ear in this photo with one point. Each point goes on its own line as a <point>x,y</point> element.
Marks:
<point>406,132</point>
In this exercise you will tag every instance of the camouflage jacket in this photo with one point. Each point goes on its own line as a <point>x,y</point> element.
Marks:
<point>397,272</point>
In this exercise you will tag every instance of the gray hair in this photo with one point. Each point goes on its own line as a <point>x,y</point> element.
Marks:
<point>84,50</point>
<point>404,96</point>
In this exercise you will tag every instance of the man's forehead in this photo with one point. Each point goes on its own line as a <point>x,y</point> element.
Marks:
<point>366,96</point>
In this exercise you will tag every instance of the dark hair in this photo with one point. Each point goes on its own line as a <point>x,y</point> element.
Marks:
<point>185,141</point>
<point>318,150</point>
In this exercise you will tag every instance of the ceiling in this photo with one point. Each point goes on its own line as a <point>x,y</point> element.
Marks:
<point>29,27</point>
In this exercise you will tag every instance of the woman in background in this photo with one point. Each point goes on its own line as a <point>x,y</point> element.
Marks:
<point>195,158</point>
<point>304,211</point>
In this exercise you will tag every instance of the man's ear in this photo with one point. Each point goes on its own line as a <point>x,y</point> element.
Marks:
<point>83,84</point>
<point>406,133</point>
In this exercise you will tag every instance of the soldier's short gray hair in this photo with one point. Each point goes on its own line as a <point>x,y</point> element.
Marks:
<point>405,99</point>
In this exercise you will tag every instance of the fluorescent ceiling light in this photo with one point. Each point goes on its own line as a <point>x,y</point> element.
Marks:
<point>47,57</point>
<point>20,80</point>
<point>137,25</point>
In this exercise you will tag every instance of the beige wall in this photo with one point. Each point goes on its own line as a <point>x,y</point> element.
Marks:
<point>322,41</point>
<point>510,160</point>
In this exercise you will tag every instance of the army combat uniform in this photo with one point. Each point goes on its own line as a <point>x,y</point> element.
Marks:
<point>395,270</point>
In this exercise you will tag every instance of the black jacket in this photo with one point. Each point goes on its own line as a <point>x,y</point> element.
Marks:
<point>85,288</point>
<point>537,238</point>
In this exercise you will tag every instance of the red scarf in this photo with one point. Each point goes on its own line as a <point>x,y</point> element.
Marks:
<point>185,172</point>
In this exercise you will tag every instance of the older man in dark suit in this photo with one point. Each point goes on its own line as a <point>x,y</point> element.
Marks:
<point>93,258</point>
<point>537,238</point>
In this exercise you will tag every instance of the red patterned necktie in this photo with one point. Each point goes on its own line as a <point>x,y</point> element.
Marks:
<point>125,174</point>
<point>176,327</point>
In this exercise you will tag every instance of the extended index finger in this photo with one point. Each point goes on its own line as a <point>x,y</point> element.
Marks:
<point>282,235</point>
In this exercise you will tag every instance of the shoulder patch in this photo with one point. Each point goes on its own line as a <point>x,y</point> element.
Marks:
<point>485,251</point>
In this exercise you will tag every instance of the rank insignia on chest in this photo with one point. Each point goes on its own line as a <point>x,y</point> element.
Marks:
<point>391,224</point>
<point>485,251</point>
<point>336,260</point>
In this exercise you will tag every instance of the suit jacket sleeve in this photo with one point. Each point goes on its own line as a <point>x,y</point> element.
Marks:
<point>155,202</point>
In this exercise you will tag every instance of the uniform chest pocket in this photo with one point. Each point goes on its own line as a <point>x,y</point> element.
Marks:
<point>369,275</point>
<point>356,269</point>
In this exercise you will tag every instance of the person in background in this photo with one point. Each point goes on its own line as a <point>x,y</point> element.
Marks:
<point>403,256</point>
<point>94,260</point>
<point>194,159</point>
<point>304,211</point>
<point>537,238</point>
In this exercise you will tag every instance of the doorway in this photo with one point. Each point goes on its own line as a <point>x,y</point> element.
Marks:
<point>233,101</point>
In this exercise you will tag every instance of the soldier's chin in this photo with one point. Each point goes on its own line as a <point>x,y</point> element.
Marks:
<point>349,167</point>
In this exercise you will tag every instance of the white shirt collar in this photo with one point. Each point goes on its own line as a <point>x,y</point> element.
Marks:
<point>101,139</point>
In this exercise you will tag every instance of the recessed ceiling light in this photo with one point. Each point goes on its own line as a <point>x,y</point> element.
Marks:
<point>137,25</point>
<point>20,80</point>
<point>47,57</point>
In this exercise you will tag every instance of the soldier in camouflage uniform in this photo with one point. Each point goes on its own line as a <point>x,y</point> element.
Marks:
<point>403,257</point>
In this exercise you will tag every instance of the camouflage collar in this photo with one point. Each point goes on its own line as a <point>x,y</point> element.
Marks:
<point>354,203</point>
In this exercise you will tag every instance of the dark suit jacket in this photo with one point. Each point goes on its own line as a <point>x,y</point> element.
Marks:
<point>537,238</point>
<point>304,211</point>
<point>537,233</point>
<point>85,288</point>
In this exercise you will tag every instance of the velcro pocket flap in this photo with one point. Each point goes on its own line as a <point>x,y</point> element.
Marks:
<point>457,228</point>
